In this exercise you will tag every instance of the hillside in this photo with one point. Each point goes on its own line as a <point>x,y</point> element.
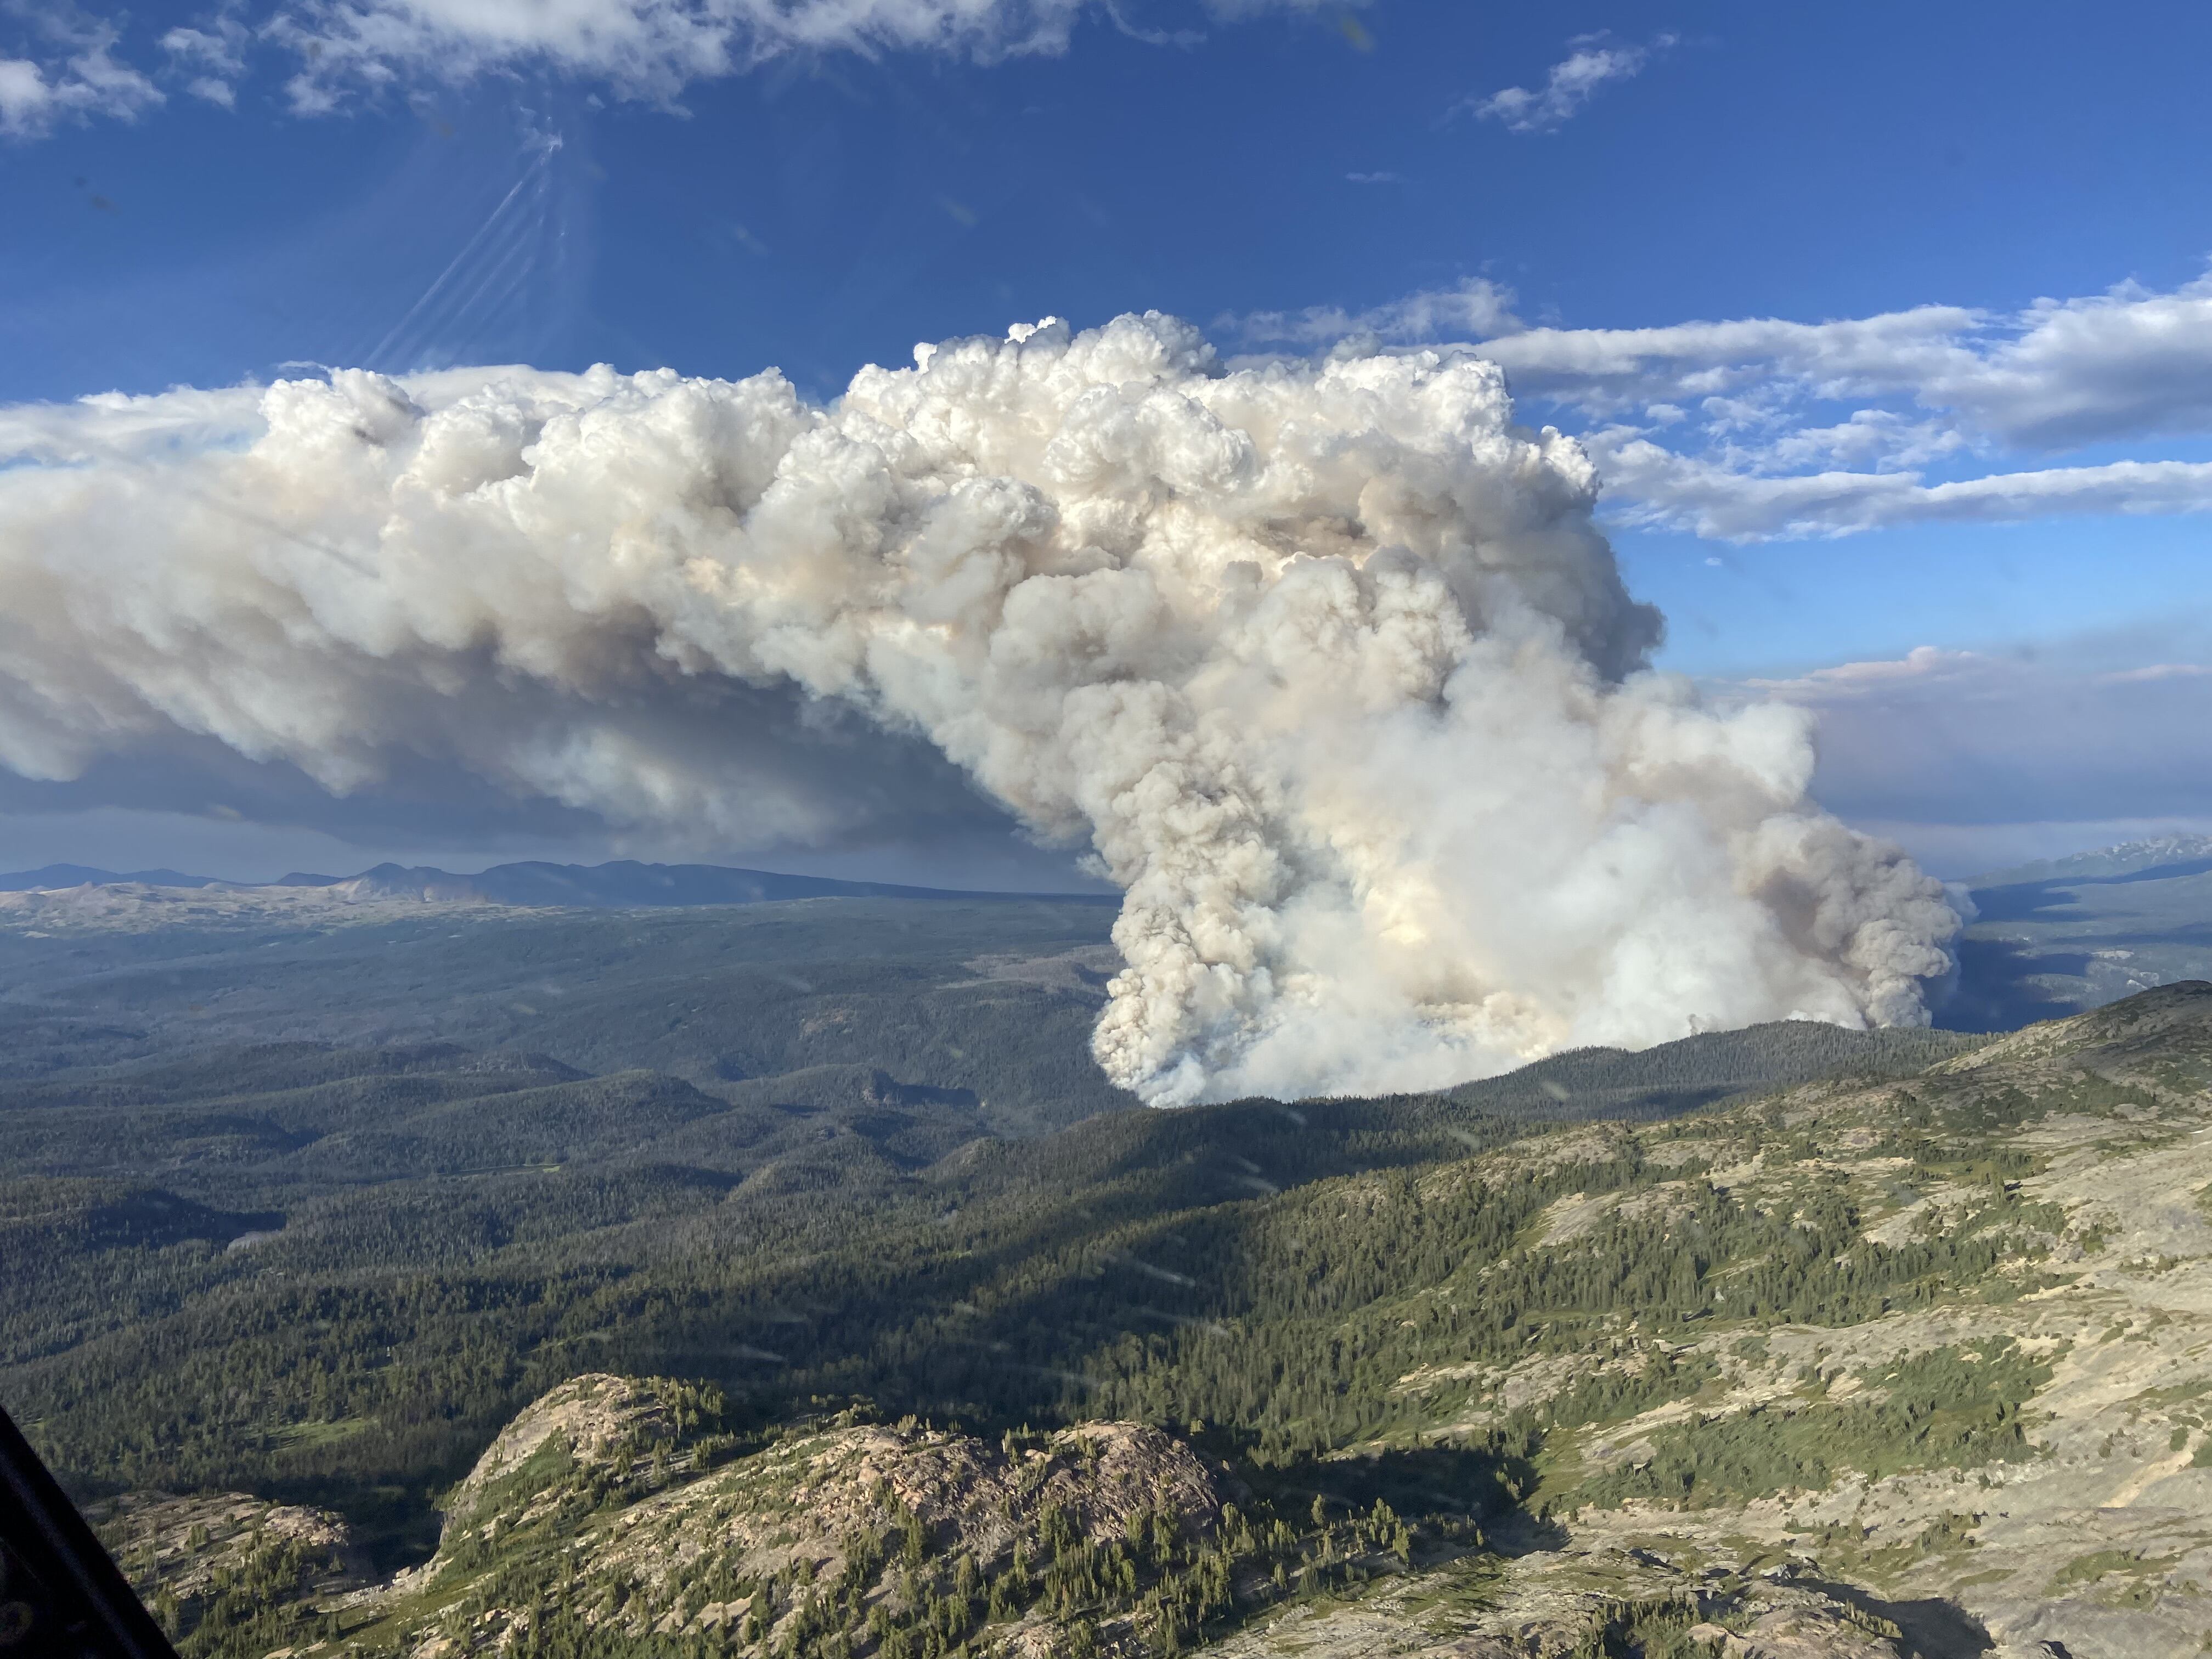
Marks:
<point>613,1516</point>
<point>1874,1364</point>
<point>205,1243</point>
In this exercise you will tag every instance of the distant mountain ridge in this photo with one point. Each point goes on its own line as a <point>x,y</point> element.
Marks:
<point>622,884</point>
<point>2123,859</point>
<point>77,875</point>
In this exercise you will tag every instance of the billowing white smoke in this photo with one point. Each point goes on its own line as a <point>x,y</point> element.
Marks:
<point>1327,662</point>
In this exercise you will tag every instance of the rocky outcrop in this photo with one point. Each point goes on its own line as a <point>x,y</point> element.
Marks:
<point>181,1553</point>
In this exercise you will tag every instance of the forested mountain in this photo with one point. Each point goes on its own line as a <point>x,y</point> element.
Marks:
<point>1393,1342</point>
<point>1869,1343</point>
<point>215,1244</point>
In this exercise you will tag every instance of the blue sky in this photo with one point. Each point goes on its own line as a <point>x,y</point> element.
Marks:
<point>721,187</point>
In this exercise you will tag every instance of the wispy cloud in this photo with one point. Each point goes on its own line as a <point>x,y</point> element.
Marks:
<point>211,58</point>
<point>1571,84</point>
<point>2128,362</point>
<point>68,71</point>
<point>1656,488</point>
<point>1762,427</point>
<point>1475,309</point>
<point>339,52</point>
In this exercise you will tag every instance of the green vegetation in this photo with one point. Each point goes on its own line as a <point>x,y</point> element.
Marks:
<point>2132,1566</point>
<point>1950,1407</point>
<point>1100,1273</point>
<point>332,1272</point>
<point>640,1524</point>
<point>255,1606</point>
<point>1139,1265</point>
<point>329,1275</point>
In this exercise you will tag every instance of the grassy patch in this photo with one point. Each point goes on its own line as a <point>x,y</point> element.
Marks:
<point>2086,1569</point>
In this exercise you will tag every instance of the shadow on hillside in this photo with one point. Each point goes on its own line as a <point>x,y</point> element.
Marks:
<point>1642,1105</point>
<point>2156,873</point>
<point>396,1524</point>
<point>1935,1628</point>
<point>2031,901</point>
<point>2025,901</point>
<point>1997,990</point>
<point>1420,1482</point>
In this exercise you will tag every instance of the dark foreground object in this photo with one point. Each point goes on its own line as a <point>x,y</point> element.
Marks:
<point>60,1595</point>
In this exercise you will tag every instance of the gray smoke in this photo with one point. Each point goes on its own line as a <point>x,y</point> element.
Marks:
<point>1326,664</point>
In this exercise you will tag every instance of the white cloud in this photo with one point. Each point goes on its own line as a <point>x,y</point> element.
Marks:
<point>69,73</point>
<point>1758,427</point>
<point>1652,486</point>
<point>1567,88</point>
<point>212,58</point>
<point>2130,362</point>
<point>646,48</point>
<point>344,51</point>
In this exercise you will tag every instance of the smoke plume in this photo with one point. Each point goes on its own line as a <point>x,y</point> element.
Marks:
<point>1325,662</point>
